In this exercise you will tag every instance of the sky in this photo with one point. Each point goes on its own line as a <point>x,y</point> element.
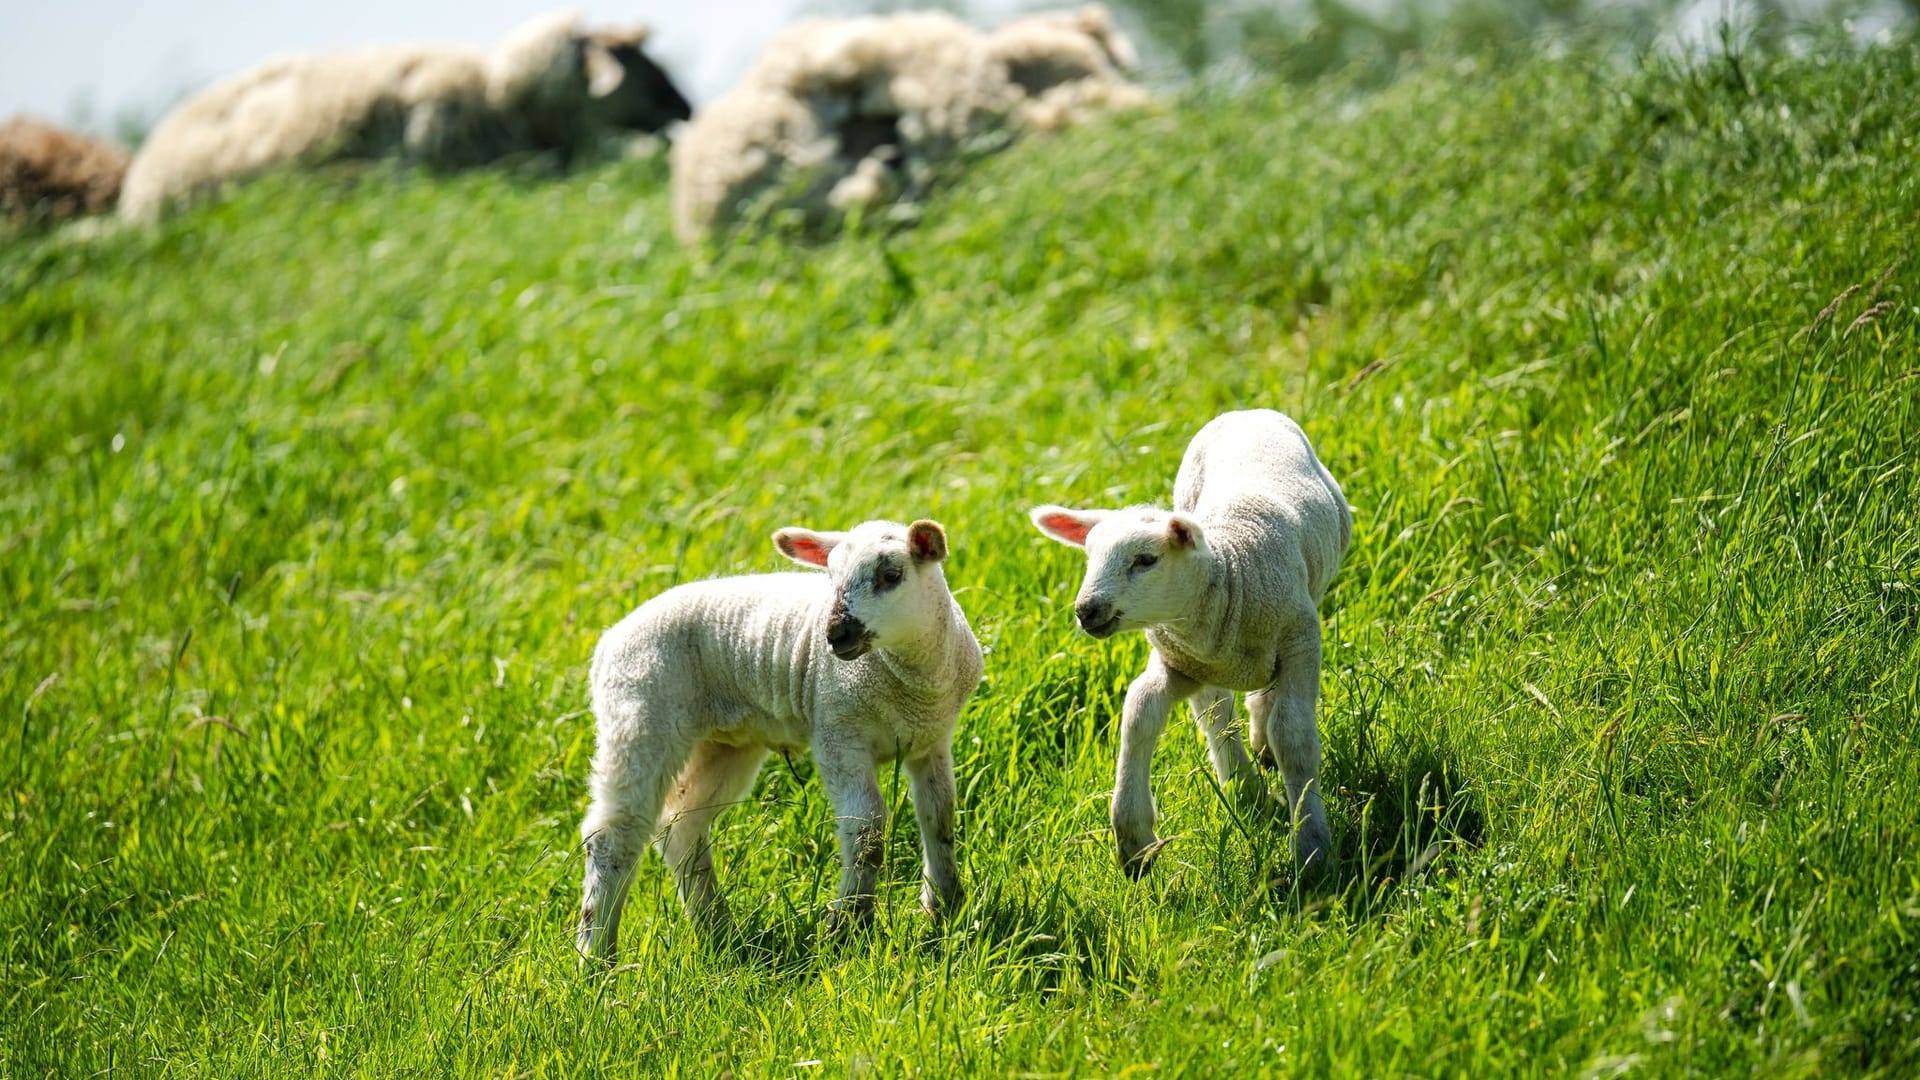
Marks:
<point>140,55</point>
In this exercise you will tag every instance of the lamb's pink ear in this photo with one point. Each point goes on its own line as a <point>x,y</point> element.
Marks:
<point>1183,531</point>
<point>805,546</point>
<point>1064,525</point>
<point>927,541</point>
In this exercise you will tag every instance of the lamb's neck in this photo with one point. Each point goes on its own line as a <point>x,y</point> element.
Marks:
<point>926,662</point>
<point>1203,632</point>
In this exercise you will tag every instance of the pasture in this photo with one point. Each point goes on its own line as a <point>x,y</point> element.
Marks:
<point>313,503</point>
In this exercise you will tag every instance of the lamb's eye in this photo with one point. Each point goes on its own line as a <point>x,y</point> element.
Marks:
<point>891,576</point>
<point>1144,562</point>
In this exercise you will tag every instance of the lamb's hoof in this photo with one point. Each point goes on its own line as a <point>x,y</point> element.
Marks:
<point>939,908</point>
<point>590,945</point>
<point>1312,856</point>
<point>592,962</point>
<point>1136,859</point>
<point>846,918</point>
<point>1255,798</point>
<point>715,926</point>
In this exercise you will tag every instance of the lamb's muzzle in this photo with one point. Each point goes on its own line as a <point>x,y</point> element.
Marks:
<point>1097,616</point>
<point>847,636</point>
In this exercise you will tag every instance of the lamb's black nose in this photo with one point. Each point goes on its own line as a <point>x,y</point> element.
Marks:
<point>844,632</point>
<point>1093,613</point>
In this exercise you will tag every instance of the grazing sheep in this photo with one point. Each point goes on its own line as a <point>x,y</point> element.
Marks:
<point>694,688</point>
<point>1068,66</point>
<point>546,86</point>
<point>839,114</point>
<point>48,174</point>
<point>1227,588</point>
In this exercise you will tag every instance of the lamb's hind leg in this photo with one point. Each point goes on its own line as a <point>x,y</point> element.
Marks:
<point>633,766</point>
<point>1213,712</point>
<point>1284,712</point>
<point>716,777</point>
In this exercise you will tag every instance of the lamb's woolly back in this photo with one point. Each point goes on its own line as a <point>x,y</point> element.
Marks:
<point>48,174</point>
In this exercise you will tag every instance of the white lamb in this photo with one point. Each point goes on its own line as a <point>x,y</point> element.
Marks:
<point>694,688</point>
<point>549,85</point>
<point>839,114</point>
<point>1227,588</point>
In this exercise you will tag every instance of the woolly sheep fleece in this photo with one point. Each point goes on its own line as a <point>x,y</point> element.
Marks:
<point>442,105</point>
<point>48,174</point>
<point>860,112</point>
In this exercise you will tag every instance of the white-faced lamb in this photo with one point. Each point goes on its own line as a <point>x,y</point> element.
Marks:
<point>1227,587</point>
<point>866,664</point>
<point>548,86</point>
<point>839,114</point>
<point>48,174</point>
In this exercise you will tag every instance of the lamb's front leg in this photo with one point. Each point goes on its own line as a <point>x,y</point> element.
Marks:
<point>932,780</point>
<point>1149,699</point>
<point>847,771</point>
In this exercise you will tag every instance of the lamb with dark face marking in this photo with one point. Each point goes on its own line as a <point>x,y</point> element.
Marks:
<point>1227,587</point>
<point>694,688</point>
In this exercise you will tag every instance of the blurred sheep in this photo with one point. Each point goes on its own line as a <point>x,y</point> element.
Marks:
<point>548,85</point>
<point>839,114</point>
<point>1069,66</point>
<point>48,174</point>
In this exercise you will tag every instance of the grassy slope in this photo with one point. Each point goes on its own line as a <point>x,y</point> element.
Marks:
<point>1620,707</point>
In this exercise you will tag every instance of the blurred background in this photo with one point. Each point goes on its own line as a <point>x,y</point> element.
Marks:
<point>112,67</point>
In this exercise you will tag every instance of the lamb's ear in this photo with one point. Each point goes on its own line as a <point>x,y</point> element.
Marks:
<point>1064,525</point>
<point>927,541</point>
<point>805,546</point>
<point>1183,531</point>
<point>605,72</point>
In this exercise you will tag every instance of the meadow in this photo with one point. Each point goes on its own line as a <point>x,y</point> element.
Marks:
<point>313,503</point>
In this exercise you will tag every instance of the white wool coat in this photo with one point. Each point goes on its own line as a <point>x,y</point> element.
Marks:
<point>440,104</point>
<point>1276,526</point>
<point>860,112</point>
<point>744,661</point>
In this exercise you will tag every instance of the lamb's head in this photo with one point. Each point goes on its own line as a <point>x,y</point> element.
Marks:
<point>1144,566</point>
<point>888,589</point>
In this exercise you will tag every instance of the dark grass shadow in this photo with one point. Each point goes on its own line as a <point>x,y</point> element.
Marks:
<point>1394,819</point>
<point>1404,817</point>
<point>1039,935</point>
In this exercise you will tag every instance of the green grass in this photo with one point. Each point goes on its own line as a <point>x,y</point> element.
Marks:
<point>313,503</point>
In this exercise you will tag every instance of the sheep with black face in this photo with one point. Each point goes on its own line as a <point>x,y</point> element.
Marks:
<point>550,85</point>
<point>868,663</point>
